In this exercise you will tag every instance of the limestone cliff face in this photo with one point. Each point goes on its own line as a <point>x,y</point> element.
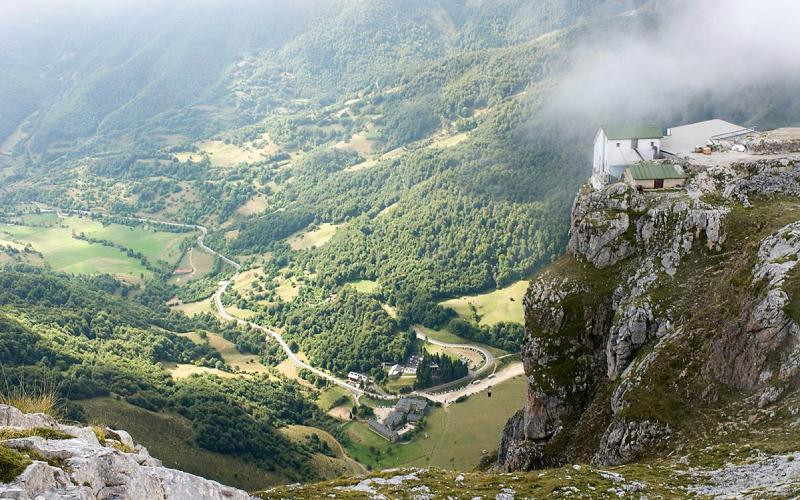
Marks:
<point>667,303</point>
<point>70,462</point>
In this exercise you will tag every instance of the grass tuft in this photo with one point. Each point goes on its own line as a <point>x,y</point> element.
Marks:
<point>12,463</point>
<point>38,397</point>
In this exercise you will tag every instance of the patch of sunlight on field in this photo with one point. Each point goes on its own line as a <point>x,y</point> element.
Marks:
<point>183,370</point>
<point>358,143</point>
<point>391,311</point>
<point>68,254</point>
<point>455,437</point>
<point>448,142</point>
<point>230,155</point>
<point>254,205</point>
<point>154,245</point>
<point>364,286</point>
<point>338,465</point>
<point>232,356</point>
<point>193,308</point>
<point>286,289</point>
<point>169,437</point>
<point>315,238</point>
<point>493,307</point>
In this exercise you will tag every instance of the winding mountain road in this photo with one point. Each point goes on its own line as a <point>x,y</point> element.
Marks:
<point>439,393</point>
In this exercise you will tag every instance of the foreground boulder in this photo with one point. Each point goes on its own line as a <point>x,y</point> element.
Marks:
<point>71,462</point>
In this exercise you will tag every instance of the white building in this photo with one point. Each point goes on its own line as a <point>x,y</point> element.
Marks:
<point>357,377</point>
<point>395,371</point>
<point>620,146</point>
<point>686,138</point>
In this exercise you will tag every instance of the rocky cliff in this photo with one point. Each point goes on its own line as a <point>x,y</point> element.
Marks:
<point>42,459</point>
<point>673,317</point>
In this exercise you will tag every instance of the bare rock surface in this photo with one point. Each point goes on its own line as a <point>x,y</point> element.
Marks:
<point>602,322</point>
<point>83,468</point>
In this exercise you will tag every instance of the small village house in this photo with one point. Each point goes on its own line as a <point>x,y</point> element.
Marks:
<point>655,176</point>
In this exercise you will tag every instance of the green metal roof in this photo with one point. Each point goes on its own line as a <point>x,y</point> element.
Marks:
<point>647,171</point>
<point>633,132</point>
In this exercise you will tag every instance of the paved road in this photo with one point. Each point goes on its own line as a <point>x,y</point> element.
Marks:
<point>506,373</point>
<point>432,393</point>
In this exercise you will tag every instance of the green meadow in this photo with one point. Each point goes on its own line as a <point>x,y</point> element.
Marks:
<point>455,437</point>
<point>63,252</point>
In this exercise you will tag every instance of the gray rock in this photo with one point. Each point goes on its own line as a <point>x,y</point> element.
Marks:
<point>624,440</point>
<point>91,470</point>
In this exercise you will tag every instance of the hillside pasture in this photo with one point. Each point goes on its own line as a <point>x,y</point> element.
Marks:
<point>305,240</point>
<point>183,370</point>
<point>455,437</point>
<point>493,307</point>
<point>169,437</point>
<point>244,362</point>
<point>328,466</point>
<point>254,205</point>
<point>229,155</point>
<point>364,286</point>
<point>193,308</point>
<point>154,245</point>
<point>71,255</point>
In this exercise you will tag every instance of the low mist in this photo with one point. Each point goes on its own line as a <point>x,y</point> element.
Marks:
<point>686,60</point>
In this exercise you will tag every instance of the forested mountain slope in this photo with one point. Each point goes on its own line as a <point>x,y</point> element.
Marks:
<point>363,160</point>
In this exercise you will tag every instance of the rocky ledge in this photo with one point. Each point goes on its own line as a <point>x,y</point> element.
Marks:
<point>72,462</point>
<point>669,306</point>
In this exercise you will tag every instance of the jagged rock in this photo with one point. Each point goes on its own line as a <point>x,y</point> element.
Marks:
<point>625,440</point>
<point>600,220</point>
<point>92,470</point>
<point>12,417</point>
<point>627,336</point>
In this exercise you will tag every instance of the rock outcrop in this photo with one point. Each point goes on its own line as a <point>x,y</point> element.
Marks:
<point>621,342</point>
<point>71,463</point>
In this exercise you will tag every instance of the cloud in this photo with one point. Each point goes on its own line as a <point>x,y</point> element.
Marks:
<point>673,53</point>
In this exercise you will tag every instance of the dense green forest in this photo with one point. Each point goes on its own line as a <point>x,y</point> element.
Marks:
<point>74,335</point>
<point>435,369</point>
<point>368,158</point>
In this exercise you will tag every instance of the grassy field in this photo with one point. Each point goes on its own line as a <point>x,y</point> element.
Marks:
<point>492,307</point>
<point>391,311</point>
<point>183,370</point>
<point>254,205</point>
<point>193,308</point>
<point>203,263</point>
<point>65,253</point>
<point>338,465</point>
<point>358,143</point>
<point>154,245</point>
<point>286,289</point>
<point>399,383</point>
<point>314,238</point>
<point>169,437</point>
<point>365,286</point>
<point>327,399</point>
<point>244,362</point>
<point>455,437</point>
<point>68,254</point>
<point>449,141</point>
<point>230,155</point>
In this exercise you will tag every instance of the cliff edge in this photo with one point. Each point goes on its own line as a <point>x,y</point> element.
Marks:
<point>670,327</point>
